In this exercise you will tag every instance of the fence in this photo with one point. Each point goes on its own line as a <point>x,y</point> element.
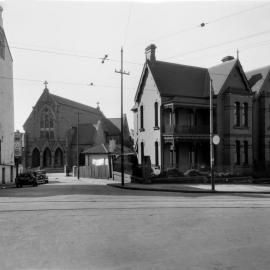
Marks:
<point>92,171</point>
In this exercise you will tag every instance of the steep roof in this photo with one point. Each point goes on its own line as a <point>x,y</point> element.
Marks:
<point>257,78</point>
<point>87,134</point>
<point>74,104</point>
<point>116,122</point>
<point>97,149</point>
<point>175,79</point>
<point>104,149</point>
<point>110,127</point>
<point>220,73</point>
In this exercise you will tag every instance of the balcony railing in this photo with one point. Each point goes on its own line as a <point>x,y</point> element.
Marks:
<point>185,129</point>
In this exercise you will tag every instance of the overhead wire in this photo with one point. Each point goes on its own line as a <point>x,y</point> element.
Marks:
<point>220,44</point>
<point>203,24</point>
<point>62,82</point>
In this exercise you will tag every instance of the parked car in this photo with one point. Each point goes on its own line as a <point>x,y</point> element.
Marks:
<point>42,178</point>
<point>26,179</point>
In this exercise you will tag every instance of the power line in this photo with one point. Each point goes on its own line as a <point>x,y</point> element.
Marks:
<point>68,54</point>
<point>64,82</point>
<point>220,44</point>
<point>203,24</point>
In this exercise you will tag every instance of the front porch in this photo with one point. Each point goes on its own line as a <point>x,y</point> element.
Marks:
<point>186,154</point>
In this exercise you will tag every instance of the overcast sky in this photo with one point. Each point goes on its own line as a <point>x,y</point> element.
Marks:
<point>94,29</point>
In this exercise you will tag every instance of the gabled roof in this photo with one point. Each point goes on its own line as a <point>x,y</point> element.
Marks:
<point>220,73</point>
<point>116,122</point>
<point>110,127</point>
<point>97,149</point>
<point>95,113</point>
<point>257,78</point>
<point>179,80</point>
<point>87,134</point>
<point>104,149</point>
<point>74,104</point>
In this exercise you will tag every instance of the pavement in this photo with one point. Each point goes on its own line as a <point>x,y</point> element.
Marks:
<point>176,187</point>
<point>197,188</point>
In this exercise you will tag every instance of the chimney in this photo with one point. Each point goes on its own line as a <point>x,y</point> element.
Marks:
<point>227,58</point>
<point>1,19</point>
<point>150,53</point>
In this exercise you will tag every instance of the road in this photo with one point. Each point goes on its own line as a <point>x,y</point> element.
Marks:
<point>84,224</point>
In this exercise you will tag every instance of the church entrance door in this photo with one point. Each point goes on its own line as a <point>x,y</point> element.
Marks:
<point>58,158</point>
<point>35,158</point>
<point>47,158</point>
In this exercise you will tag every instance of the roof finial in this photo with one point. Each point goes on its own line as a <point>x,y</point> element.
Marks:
<point>237,54</point>
<point>98,105</point>
<point>46,84</point>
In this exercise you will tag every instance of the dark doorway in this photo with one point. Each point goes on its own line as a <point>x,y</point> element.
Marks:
<point>3,175</point>
<point>35,158</point>
<point>47,158</point>
<point>58,158</point>
<point>81,159</point>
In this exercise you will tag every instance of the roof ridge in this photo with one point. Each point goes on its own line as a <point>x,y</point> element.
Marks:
<point>177,64</point>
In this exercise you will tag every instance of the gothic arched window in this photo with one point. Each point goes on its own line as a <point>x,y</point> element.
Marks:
<point>47,124</point>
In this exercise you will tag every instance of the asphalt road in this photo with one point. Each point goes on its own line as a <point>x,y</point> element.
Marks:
<point>71,224</point>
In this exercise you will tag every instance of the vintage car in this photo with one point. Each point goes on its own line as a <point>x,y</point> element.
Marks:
<point>26,179</point>
<point>42,178</point>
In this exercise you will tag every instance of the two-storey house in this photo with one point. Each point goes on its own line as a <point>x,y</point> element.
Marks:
<point>171,115</point>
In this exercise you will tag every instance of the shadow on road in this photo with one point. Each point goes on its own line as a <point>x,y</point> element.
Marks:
<point>53,189</point>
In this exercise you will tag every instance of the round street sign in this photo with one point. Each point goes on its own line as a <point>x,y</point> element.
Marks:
<point>216,139</point>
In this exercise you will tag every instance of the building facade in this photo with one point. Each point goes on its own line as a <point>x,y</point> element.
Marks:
<point>6,110</point>
<point>52,129</point>
<point>171,116</point>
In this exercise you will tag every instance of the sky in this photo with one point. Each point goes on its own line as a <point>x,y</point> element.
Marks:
<point>63,42</point>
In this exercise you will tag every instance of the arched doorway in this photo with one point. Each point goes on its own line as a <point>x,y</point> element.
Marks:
<point>35,158</point>
<point>47,158</point>
<point>58,158</point>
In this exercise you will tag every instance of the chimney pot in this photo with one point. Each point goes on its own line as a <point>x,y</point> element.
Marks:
<point>227,58</point>
<point>150,53</point>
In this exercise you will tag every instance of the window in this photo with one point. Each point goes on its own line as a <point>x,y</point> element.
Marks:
<point>245,114</point>
<point>156,154</point>
<point>246,151</point>
<point>237,152</point>
<point>141,118</point>
<point>237,114</point>
<point>47,123</point>
<point>142,152</point>
<point>156,114</point>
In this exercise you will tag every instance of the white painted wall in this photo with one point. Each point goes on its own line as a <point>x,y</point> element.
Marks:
<point>149,96</point>
<point>6,115</point>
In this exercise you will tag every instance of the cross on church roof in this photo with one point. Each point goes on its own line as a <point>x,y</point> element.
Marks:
<point>46,83</point>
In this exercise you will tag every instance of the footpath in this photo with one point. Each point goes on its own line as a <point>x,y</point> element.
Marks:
<point>198,188</point>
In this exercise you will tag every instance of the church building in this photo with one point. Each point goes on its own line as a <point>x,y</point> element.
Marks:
<point>51,132</point>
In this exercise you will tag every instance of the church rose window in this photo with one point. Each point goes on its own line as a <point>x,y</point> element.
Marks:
<point>47,124</point>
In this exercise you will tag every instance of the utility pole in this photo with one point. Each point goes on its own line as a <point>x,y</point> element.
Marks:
<point>78,166</point>
<point>122,72</point>
<point>211,138</point>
